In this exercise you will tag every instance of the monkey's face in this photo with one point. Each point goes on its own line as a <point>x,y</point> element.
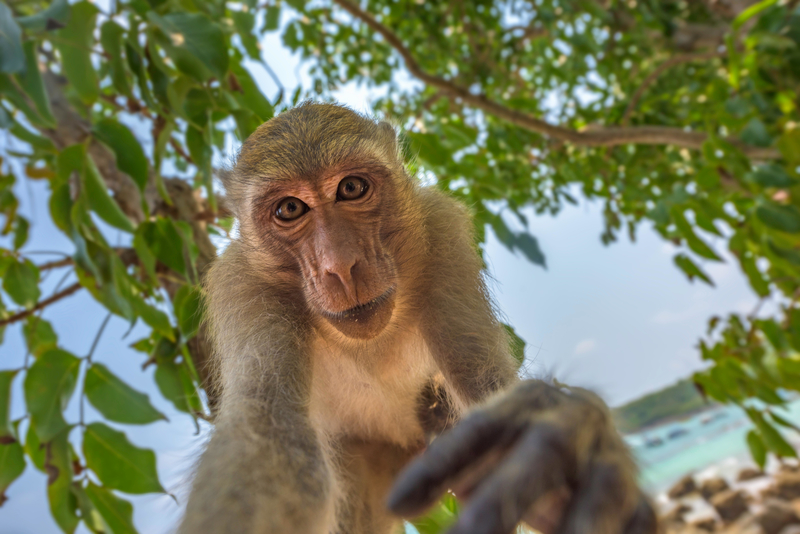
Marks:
<point>333,228</point>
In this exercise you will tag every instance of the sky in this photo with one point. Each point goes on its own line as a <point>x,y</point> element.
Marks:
<point>619,319</point>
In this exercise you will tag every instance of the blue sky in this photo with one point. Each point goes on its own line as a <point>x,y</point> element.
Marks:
<point>619,319</point>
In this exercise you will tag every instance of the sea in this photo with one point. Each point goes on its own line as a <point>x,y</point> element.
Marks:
<point>708,443</point>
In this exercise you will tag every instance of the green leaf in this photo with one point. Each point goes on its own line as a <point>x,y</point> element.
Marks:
<point>250,96</point>
<point>118,463</point>
<point>34,448</point>
<point>21,227</point>
<point>772,175</point>
<point>12,58</point>
<point>32,84</point>
<point>754,275</point>
<point>516,343</point>
<point>199,45</point>
<point>757,448</point>
<point>58,466</point>
<point>89,515</point>
<point>165,242</point>
<point>12,465</point>
<point>116,513</point>
<point>111,38</point>
<point>39,335</point>
<point>21,282</point>
<point>751,12</point>
<point>6,430</point>
<point>54,17</point>
<point>116,400</point>
<point>129,153</point>
<point>100,201</point>
<point>75,43</point>
<point>772,438</point>
<point>154,317</point>
<point>755,133</point>
<point>272,18</point>
<point>48,387</point>
<point>691,270</point>
<point>697,245</point>
<point>188,304</point>
<point>245,21</point>
<point>779,217</point>
<point>529,246</point>
<point>783,422</point>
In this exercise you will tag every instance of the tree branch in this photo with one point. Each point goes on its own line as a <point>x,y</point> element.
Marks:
<point>41,305</point>
<point>653,76</point>
<point>599,137</point>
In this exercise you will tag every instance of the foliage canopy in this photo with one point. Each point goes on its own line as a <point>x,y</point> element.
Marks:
<point>675,113</point>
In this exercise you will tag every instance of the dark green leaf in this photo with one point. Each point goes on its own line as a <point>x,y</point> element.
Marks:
<point>779,217</point>
<point>757,448</point>
<point>772,175</point>
<point>691,270</point>
<point>21,282</point>
<point>12,58</point>
<point>116,400</point>
<point>12,465</point>
<point>39,335</point>
<point>75,43</point>
<point>48,387</point>
<point>244,21</point>
<point>32,84</point>
<point>6,430</point>
<point>58,466</point>
<point>272,18</point>
<point>117,513</point>
<point>118,463</point>
<point>101,202</point>
<point>129,153</point>
<point>188,304</point>
<point>111,37</point>
<point>54,17</point>
<point>166,243</point>
<point>530,247</point>
<point>198,43</point>
<point>755,133</point>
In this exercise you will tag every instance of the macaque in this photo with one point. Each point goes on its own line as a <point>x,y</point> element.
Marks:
<point>362,368</point>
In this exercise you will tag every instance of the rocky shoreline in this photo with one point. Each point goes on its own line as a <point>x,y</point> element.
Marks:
<point>751,502</point>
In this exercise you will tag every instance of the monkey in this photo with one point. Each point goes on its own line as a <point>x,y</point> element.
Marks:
<point>362,367</point>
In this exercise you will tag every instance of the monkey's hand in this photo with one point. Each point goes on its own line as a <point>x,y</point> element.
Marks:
<point>537,454</point>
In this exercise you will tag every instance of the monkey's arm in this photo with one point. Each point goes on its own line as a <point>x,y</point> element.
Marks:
<point>264,470</point>
<point>534,452</point>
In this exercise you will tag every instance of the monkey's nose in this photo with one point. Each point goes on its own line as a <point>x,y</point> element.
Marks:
<point>343,273</point>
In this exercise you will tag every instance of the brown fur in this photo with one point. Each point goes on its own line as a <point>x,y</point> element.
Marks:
<point>345,339</point>
<point>314,424</point>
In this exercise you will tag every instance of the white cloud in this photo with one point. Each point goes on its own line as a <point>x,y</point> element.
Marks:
<point>587,345</point>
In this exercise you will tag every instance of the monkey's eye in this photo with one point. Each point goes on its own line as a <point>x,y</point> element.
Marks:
<point>351,188</point>
<point>290,208</point>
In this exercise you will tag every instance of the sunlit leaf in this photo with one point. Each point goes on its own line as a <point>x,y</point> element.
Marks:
<point>116,400</point>
<point>75,43</point>
<point>49,384</point>
<point>118,463</point>
<point>21,282</point>
<point>757,448</point>
<point>117,513</point>
<point>129,153</point>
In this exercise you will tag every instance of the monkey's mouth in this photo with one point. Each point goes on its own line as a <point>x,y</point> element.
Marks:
<point>364,321</point>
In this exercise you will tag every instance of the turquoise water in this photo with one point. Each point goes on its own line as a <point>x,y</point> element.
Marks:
<point>712,437</point>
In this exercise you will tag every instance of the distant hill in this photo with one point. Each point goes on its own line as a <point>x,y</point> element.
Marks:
<point>674,401</point>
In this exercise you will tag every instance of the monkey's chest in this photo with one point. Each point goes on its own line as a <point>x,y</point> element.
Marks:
<point>371,394</point>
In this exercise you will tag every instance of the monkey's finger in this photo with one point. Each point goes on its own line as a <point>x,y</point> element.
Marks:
<point>535,467</point>
<point>643,520</point>
<point>427,477</point>
<point>603,503</point>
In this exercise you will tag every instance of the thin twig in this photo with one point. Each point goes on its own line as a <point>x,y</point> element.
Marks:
<point>653,76</point>
<point>598,137</point>
<point>55,264</point>
<point>41,305</point>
